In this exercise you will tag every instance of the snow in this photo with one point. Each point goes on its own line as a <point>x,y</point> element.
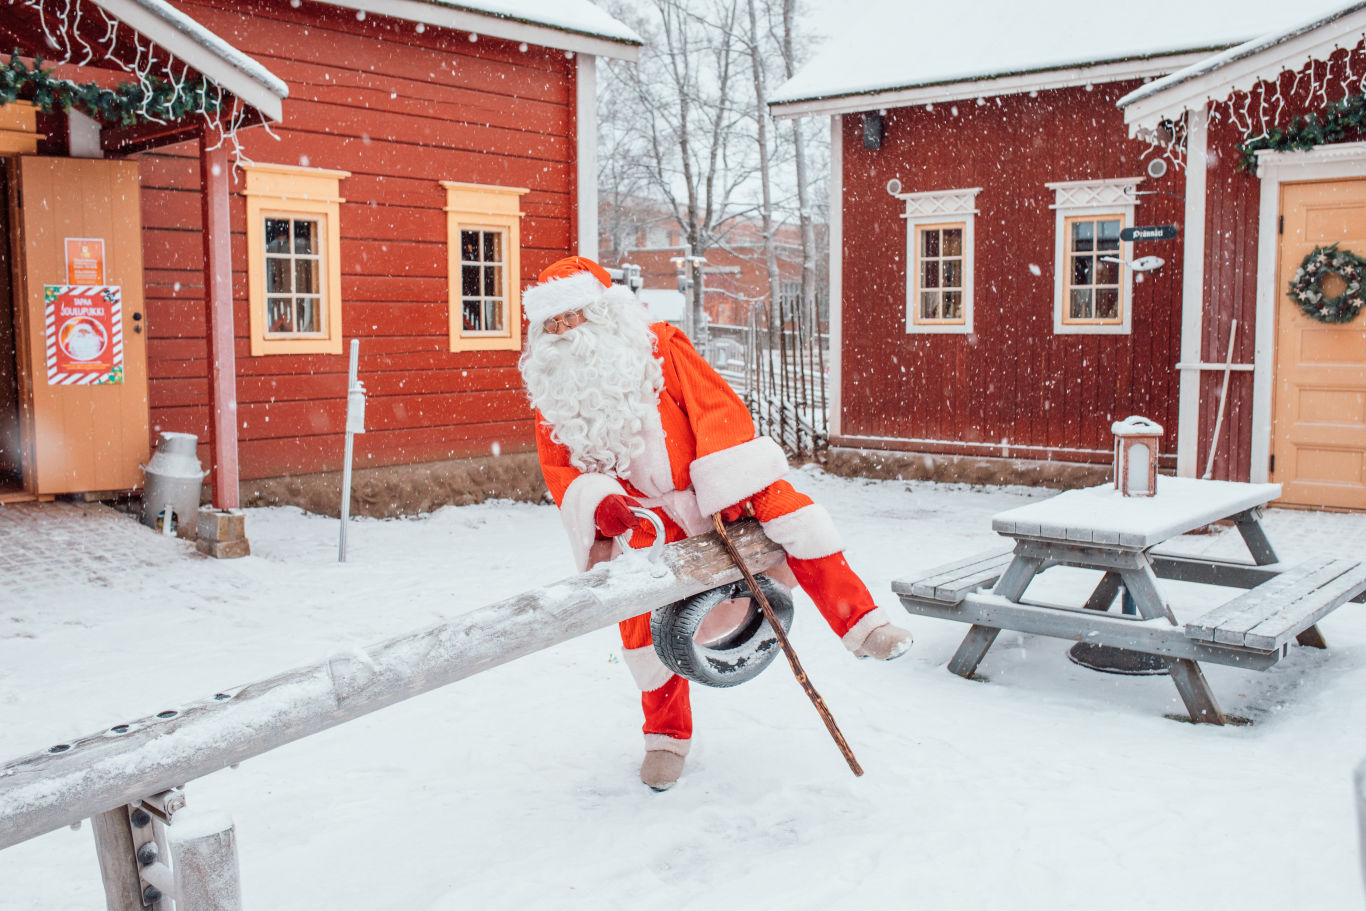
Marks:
<point>579,16</point>
<point>1041,786</point>
<point>891,44</point>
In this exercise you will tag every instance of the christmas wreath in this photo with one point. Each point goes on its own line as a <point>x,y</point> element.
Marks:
<point>1306,287</point>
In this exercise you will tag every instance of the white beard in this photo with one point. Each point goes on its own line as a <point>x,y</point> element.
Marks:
<point>597,385</point>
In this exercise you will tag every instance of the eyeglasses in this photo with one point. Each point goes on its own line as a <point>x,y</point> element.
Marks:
<point>557,324</point>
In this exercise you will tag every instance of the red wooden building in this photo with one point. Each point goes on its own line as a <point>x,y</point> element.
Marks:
<point>422,162</point>
<point>991,314</point>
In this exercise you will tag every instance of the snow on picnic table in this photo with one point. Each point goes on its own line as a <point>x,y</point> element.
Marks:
<point>1041,786</point>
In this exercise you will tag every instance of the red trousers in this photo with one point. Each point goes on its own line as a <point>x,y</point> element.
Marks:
<point>838,593</point>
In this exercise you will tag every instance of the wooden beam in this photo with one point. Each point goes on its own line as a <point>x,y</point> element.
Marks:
<point>215,174</point>
<point>69,782</point>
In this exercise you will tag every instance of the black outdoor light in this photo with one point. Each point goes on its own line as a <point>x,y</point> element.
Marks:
<point>872,130</point>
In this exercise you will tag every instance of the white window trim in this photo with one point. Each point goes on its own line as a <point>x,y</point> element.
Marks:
<point>1114,196</point>
<point>932,207</point>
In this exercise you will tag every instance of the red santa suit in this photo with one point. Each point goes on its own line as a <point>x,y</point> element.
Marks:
<point>701,455</point>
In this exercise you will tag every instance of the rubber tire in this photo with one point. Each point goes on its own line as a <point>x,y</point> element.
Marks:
<point>742,657</point>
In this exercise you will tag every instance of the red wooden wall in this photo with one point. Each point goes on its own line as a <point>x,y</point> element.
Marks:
<point>1013,388</point>
<point>401,110</point>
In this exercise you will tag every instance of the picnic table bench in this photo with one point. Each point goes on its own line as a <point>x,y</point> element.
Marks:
<point>1094,528</point>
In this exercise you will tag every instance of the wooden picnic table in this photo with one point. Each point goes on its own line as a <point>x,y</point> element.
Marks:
<point>1096,528</point>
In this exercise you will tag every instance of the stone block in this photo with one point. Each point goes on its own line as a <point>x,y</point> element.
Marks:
<point>222,533</point>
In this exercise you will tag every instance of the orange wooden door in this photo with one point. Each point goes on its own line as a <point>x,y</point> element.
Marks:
<point>79,437</point>
<point>1319,417</point>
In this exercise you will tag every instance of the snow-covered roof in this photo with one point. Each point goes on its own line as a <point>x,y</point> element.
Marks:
<point>570,25</point>
<point>189,41</point>
<point>1242,67</point>
<point>894,53</point>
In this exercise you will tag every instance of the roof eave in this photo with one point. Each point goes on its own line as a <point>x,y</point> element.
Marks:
<point>443,16</point>
<point>1170,98</point>
<point>1003,84</point>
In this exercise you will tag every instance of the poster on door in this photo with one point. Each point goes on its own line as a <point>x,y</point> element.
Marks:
<point>83,328</point>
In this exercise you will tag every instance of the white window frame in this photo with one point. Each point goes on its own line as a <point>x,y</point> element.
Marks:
<point>1110,197</point>
<point>939,207</point>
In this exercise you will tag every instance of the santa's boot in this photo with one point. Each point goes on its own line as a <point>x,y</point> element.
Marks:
<point>661,769</point>
<point>884,643</point>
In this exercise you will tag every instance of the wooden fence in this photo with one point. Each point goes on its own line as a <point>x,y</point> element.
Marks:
<point>781,378</point>
<point>126,777</point>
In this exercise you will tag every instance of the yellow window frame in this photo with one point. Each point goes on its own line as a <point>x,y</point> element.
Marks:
<point>480,207</point>
<point>287,191</point>
<point>918,266</point>
<point>1096,253</point>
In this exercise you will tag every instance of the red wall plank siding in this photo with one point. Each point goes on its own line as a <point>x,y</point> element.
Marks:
<point>401,110</point>
<point>1013,388</point>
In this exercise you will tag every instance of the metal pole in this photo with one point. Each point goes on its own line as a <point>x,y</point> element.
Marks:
<point>350,444</point>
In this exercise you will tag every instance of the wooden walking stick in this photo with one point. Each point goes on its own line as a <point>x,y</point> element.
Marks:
<point>778,630</point>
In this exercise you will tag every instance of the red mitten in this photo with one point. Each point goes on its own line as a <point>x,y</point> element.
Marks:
<point>733,513</point>
<point>613,515</point>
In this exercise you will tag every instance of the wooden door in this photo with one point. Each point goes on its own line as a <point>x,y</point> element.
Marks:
<point>79,433</point>
<point>1319,416</point>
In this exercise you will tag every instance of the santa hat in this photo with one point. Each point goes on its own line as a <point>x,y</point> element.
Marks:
<point>567,284</point>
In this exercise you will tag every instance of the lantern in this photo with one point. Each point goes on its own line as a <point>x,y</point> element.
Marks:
<point>1136,455</point>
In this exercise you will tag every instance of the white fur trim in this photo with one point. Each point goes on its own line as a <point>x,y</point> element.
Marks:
<point>731,475</point>
<point>581,499</point>
<point>646,668</point>
<point>667,743</point>
<point>560,295</point>
<point>807,533</point>
<point>870,621</point>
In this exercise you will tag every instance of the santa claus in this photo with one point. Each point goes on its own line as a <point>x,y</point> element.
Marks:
<point>628,414</point>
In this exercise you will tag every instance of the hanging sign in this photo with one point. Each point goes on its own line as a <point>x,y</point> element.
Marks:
<point>84,261</point>
<point>83,328</point>
<point>1148,232</point>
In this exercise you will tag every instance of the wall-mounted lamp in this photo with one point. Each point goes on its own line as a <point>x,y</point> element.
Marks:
<point>872,130</point>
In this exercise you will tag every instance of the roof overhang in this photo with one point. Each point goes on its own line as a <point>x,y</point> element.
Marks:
<point>91,29</point>
<point>213,57</point>
<point>1240,68</point>
<point>985,87</point>
<point>508,27</point>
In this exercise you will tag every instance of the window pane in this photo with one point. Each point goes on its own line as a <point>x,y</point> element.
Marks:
<point>493,247</point>
<point>470,315</point>
<point>305,236</point>
<point>1107,273</point>
<point>1107,303</point>
<point>493,315</point>
<point>953,242</point>
<point>929,305</point>
<point>929,245</point>
<point>953,305</point>
<point>306,276</point>
<point>469,281</point>
<point>1109,234</point>
<point>277,235</point>
<point>1081,305</point>
<point>1083,236</point>
<point>279,314</point>
<point>953,273</point>
<point>469,246</point>
<point>308,316</point>
<point>1082,268</point>
<point>277,275</point>
<point>929,275</point>
<point>493,281</point>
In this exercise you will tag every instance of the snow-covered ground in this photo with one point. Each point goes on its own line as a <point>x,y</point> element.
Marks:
<point>1041,786</point>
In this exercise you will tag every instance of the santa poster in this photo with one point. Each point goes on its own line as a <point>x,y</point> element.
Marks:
<point>83,328</point>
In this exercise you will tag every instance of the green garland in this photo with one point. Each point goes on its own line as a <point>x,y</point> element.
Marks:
<point>1339,121</point>
<point>1306,286</point>
<point>126,105</point>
